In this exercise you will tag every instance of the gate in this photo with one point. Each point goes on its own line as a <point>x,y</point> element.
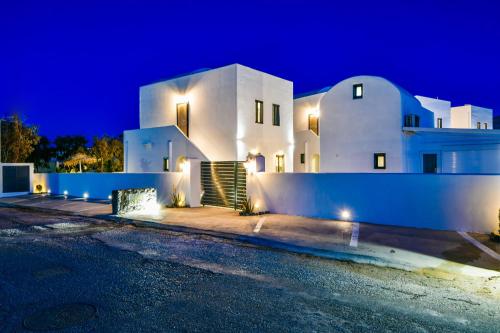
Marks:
<point>223,184</point>
<point>16,178</point>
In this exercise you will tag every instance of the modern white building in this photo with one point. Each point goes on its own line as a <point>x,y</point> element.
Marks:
<point>220,114</point>
<point>369,124</point>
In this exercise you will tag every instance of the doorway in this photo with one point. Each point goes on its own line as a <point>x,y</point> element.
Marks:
<point>429,163</point>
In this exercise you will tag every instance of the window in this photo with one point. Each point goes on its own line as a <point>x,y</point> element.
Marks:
<point>183,118</point>
<point>379,161</point>
<point>276,115</point>
<point>440,123</point>
<point>280,163</point>
<point>302,158</point>
<point>259,112</point>
<point>478,125</point>
<point>485,125</point>
<point>314,123</point>
<point>357,91</point>
<point>412,120</point>
<point>166,164</point>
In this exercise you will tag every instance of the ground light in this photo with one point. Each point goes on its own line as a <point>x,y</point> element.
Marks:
<point>110,197</point>
<point>65,193</point>
<point>345,214</point>
<point>86,195</point>
<point>49,191</point>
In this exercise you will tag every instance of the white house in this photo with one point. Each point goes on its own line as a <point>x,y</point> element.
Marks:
<point>369,124</point>
<point>220,114</point>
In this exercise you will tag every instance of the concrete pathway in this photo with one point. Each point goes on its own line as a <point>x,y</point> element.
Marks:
<point>405,248</point>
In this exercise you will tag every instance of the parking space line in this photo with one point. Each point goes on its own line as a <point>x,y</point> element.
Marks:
<point>480,246</point>
<point>259,224</point>
<point>354,235</point>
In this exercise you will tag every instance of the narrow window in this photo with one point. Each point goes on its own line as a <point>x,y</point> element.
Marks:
<point>259,112</point>
<point>440,123</point>
<point>314,123</point>
<point>411,120</point>
<point>183,118</point>
<point>417,121</point>
<point>276,115</point>
<point>478,125</point>
<point>485,125</point>
<point>166,164</point>
<point>280,163</point>
<point>379,161</point>
<point>302,158</point>
<point>357,91</point>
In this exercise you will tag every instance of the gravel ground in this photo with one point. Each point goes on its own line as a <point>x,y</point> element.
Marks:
<point>72,274</point>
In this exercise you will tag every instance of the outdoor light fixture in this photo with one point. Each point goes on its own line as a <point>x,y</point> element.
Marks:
<point>345,214</point>
<point>48,191</point>
<point>314,112</point>
<point>86,195</point>
<point>185,166</point>
<point>65,193</point>
<point>110,197</point>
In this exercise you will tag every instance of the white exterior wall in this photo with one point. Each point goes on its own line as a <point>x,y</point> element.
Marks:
<point>222,113</point>
<point>144,149</point>
<point>450,202</point>
<point>306,141</point>
<point>467,116</point>
<point>458,151</point>
<point>440,108</point>
<point>212,104</point>
<point>352,130</point>
<point>264,138</point>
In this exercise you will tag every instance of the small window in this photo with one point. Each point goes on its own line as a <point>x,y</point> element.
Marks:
<point>379,161</point>
<point>259,112</point>
<point>276,115</point>
<point>357,91</point>
<point>280,163</point>
<point>314,123</point>
<point>485,125</point>
<point>302,158</point>
<point>412,120</point>
<point>478,125</point>
<point>166,164</point>
<point>440,123</point>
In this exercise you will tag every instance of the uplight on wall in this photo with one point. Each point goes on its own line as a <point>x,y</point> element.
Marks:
<point>86,195</point>
<point>185,166</point>
<point>345,214</point>
<point>49,191</point>
<point>181,99</point>
<point>313,112</point>
<point>65,193</point>
<point>110,197</point>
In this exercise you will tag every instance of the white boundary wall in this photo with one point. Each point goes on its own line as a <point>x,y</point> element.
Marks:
<point>100,185</point>
<point>443,201</point>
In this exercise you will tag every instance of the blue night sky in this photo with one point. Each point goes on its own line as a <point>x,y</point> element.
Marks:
<point>75,67</point>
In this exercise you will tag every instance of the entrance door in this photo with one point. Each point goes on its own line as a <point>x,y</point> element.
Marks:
<point>430,163</point>
<point>183,118</point>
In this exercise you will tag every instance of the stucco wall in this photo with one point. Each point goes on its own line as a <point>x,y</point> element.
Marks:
<point>467,116</point>
<point>144,149</point>
<point>267,139</point>
<point>440,108</point>
<point>450,202</point>
<point>100,185</point>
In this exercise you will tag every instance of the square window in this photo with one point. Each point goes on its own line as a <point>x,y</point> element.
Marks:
<point>259,112</point>
<point>357,91</point>
<point>302,158</point>
<point>379,161</point>
<point>276,115</point>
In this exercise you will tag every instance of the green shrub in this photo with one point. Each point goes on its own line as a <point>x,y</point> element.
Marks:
<point>176,199</point>
<point>247,206</point>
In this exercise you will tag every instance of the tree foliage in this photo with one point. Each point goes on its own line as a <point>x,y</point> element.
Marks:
<point>18,140</point>
<point>68,145</point>
<point>109,153</point>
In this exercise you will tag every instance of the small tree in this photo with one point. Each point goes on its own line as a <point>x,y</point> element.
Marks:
<point>18,139</point>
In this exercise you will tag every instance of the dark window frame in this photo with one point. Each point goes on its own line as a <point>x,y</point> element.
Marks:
<point>478,125</point>
<point>276,115</point>
<point>302,158</point>
<point>187,117</point>
<point>485,125</point>
<point>259,113</point>
<point>411,120</point>
<point>440,123</point>
<point>316,131</point>
<point>354,91</point>
<point>282,158</point>
<point>166,164</point>
<point>375,161</point>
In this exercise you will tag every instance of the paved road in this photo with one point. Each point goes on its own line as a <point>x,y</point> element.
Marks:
<point>81,275</point>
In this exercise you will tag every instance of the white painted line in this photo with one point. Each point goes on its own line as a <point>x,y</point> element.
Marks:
<point>259,224</point>
<point>480,246</point>
<point>354,235</point>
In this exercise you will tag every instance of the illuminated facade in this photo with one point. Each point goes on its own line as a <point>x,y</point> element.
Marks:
<point>221,114</point>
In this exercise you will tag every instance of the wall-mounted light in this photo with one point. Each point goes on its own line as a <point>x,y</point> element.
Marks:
<point>185,166</point>
<point>313,112</point>
<point>181,99</point>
